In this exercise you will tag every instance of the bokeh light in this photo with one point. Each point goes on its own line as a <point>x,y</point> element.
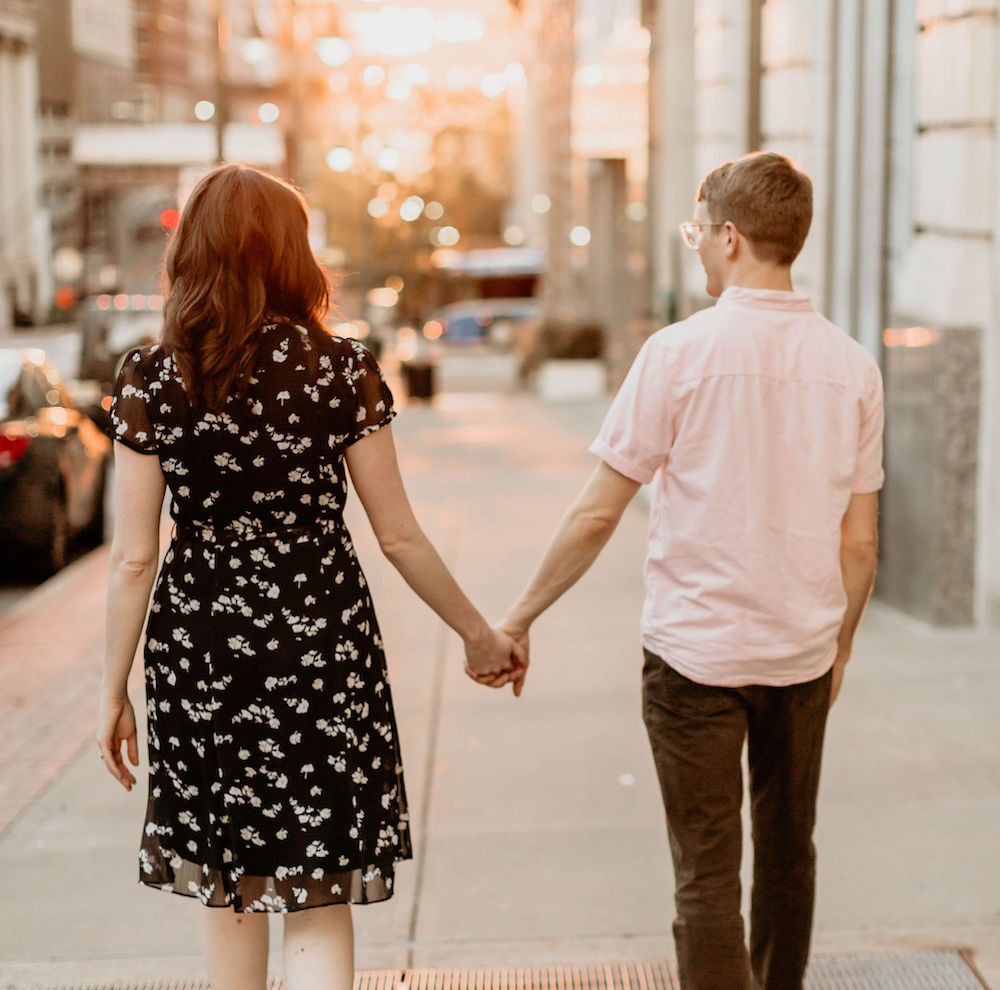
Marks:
<point>411,209</point>
<point>255,50</point>
<point>434,210</point>
<point>448,236</point>
<point>340,159</point>
<point>373,75</point>
<point>541,203</point>
<point>433,329</point>
<point>459,27</point>
<point>514,236</point>
<point>397,89</point>
<point>170,217</point>
<point>204,109</point>
<point>493,85</point>
<point>389,159</point>
<point>333,51</point>
<point>383,297</point>
<point>580,236</point>
<point>514,73</point>
<point>413,73</point>
<point>393,30</point>
<point>377,207</point>
<point>268,113</point>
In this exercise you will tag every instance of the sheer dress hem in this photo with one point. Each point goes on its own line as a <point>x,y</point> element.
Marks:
<point>268,894</point>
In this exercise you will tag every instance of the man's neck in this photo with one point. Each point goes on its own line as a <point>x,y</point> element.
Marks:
<point>760,277</point>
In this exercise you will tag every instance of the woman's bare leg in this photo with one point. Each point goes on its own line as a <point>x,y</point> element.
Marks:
<point>319,948</point>
<point>236,949</point>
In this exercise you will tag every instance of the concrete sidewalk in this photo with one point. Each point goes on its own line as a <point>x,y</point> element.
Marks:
<point>538,826</point>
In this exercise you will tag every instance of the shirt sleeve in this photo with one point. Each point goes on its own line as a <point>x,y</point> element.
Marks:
<point>869,474</point>
<point>373,406</point>
<point>130,420</point>
<point>637,433</point>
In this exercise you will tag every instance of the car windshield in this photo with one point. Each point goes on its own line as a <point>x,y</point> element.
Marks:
<point>10,373</point>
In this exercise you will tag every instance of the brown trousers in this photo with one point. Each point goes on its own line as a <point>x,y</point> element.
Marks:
<point>696,733</point>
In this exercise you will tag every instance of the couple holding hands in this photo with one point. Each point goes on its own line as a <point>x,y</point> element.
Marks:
<point>275,775</point>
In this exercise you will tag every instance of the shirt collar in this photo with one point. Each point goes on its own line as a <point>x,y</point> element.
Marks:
<point>738,295</point>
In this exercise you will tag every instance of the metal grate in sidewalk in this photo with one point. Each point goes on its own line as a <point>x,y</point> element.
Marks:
<point>939,970</point>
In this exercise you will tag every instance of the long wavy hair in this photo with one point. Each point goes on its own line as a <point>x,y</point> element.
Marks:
<point>239,259</point>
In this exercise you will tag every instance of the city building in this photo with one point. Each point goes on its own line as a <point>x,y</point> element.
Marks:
<point>22,228</point>
<point>892,108</point>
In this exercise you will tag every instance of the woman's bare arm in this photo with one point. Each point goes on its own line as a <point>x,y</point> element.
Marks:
<point>135,549</point>
<point>375,474</point>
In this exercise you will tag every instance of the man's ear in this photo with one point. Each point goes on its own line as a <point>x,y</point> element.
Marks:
<point>733,240</point>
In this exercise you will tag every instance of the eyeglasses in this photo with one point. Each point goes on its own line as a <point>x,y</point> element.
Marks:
<point>691,232</point>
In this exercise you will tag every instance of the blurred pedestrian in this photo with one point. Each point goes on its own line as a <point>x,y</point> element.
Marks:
<point>275,778</point>
<point>758,424</point>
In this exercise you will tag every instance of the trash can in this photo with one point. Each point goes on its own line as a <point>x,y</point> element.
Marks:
<point>419,377</point>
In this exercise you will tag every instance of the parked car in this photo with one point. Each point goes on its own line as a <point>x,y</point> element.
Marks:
<point>493,321</point>
<point>53,462</point>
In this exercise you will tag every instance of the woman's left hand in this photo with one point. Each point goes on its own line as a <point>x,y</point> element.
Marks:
<point>116,724</point>
<point>494,659</point>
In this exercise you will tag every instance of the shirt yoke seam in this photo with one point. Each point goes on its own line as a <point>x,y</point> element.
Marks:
<point>770,378</point>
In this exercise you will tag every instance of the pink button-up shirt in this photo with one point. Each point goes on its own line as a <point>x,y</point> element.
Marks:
<point>754,420</point>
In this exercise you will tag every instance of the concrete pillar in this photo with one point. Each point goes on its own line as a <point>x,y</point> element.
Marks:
<point>8,225</point>
<point>988,566</point>
<point>845,162</point>
<point>557,50</point>
<point>796,111</point>
<point>672,178</point>
<point>608,299</point>
<point>28,152</point>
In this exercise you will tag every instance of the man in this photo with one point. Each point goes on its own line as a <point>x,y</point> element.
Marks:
<point>759,425</point>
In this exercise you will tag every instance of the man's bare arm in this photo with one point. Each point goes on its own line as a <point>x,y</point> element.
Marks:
<point>858,560</point>
<point>581,536</point>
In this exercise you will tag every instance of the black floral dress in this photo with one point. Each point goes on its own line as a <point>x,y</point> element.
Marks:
<point>275,780</point>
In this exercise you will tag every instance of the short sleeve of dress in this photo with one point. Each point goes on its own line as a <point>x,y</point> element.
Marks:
<point>373,407</point>
<point>130,420</point>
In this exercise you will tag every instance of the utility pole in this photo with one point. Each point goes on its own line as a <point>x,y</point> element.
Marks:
<point>223,31</point>
<point>293,128</point>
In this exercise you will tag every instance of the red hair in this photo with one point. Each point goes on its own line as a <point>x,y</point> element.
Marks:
<point>239,258</point>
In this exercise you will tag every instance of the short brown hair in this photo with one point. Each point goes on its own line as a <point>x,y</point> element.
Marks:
<point>767,198</point>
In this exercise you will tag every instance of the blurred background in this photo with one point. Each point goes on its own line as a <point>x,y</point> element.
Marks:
<point>495,187</point>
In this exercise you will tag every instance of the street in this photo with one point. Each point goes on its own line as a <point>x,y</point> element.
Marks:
<point>538,826</point>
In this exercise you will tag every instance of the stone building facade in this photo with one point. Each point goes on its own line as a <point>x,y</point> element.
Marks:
<point>20,226</point>
<point>892,108</point>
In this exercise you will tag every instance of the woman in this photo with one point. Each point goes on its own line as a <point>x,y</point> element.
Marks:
<point>275,774</point>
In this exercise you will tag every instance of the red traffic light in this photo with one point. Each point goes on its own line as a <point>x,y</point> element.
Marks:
<point>170,217</point>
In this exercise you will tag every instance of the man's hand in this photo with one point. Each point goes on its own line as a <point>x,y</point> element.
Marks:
<point>495,659</point>
<point>519,634</point>
<point>838,675</point>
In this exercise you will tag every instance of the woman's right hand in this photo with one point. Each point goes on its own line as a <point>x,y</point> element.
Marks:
<point>494,659</point>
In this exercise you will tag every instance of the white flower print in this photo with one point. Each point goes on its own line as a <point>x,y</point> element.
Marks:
<point>230,733</point>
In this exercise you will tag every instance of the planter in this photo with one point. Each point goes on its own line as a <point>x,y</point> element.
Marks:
<point>571,379</point>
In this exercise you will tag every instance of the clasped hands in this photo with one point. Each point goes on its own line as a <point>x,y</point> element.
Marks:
<point>498,656</point>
